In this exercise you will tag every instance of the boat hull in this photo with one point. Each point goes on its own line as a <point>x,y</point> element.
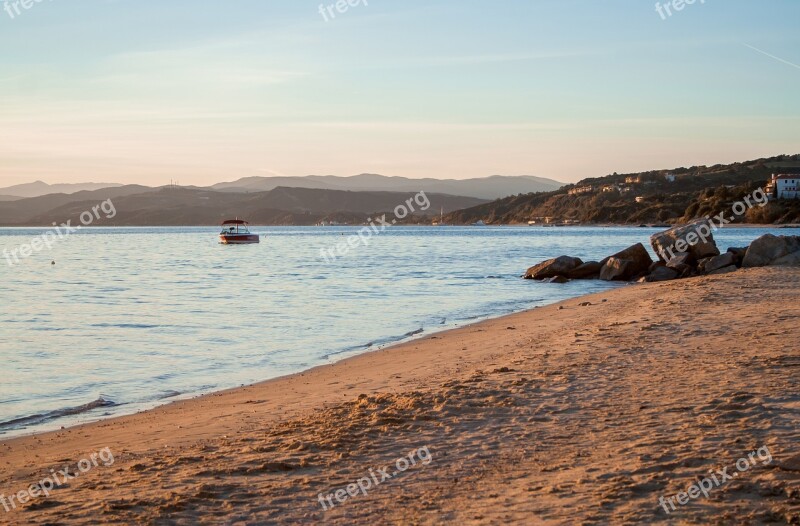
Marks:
<point>238,239</point>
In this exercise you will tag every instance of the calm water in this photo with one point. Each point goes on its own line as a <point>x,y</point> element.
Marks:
<point>132,317</point>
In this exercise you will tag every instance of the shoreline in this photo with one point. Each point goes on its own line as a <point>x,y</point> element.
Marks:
<point>366,348</point>
<point>491,400</point>
<point>348,355</point>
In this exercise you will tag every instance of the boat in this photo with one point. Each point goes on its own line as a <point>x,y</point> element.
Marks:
<point>479,223</point>
<point>235,232</point>
<point>440,222</point>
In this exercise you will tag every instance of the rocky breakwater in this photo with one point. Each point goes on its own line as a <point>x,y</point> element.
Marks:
<point>683,252</point>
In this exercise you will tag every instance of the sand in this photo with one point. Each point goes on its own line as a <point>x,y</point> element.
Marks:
<point>584,412</point>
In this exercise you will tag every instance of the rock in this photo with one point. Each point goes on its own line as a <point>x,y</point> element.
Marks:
<point>790,260</point>
<point>704,249</point>
<point>724,270</point>
<point>701,265</point>
<point>765,250</point>
<point>680,260</point>
<point>556,279</point>
<point>685,271</point>
<point>559,266</point>
<point>588,270</point>
<point>661,274</point>
<point>638,262</point>
<point>717,262</point>
<point>694,238</point>
<point>617,269</point>
<point>739,253</point>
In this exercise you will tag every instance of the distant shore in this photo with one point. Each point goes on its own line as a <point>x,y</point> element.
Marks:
<point>587,410</point>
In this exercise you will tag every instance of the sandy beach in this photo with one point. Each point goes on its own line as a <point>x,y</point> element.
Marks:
<point>584,412</point>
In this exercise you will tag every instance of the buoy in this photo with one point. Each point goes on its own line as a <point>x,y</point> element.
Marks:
<point>53,262</point>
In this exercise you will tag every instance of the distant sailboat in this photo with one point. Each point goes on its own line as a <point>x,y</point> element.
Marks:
<point>441,219</point>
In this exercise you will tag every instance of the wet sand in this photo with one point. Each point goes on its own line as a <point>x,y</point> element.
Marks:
<point>583,412</point>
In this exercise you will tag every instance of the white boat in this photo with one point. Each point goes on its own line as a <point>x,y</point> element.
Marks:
<point>235,232</point>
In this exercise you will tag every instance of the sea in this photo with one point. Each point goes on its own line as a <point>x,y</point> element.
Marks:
<point>111,321</point>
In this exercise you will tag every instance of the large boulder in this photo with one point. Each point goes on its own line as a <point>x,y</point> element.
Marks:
<point>739,253</point>
<point>765,250</point>
<point>661,274</point>
<point>682,264</point>
<point>717,262</point>
<point>639,261</point>
<point>680,260</point>
<point>790,260</point>
<point>701,265</point>
<point>617,269</point>
<point>694,238</point>
<point>588,270</point>
<point>560,266</point>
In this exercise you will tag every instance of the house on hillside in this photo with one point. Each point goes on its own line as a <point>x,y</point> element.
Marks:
<point>581,190</point>
<point>633,179</point>
<point>784,186</point>
<point>670,178</point>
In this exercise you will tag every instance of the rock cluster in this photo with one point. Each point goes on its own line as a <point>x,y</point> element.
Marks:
<point>683,252</point>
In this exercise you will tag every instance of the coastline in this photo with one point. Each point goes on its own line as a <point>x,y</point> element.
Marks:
<point>489,399</point>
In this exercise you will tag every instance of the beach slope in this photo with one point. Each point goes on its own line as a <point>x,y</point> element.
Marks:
<point>585,412</point>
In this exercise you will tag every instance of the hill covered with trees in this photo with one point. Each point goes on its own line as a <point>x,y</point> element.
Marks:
<point>659,196</point>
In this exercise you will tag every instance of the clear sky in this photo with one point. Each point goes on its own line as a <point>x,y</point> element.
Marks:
<point>144,91</point>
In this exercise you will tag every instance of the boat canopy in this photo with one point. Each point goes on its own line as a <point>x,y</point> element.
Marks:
<point>234,222</point>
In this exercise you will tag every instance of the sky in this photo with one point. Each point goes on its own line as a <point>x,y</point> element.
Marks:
<point>135,91</point>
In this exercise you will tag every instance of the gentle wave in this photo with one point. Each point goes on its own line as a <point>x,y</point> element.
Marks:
<point>38,419</point>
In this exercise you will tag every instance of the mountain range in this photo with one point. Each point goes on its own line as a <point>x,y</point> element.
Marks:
<point>488,188</point>
<point>38,188</point>
<point>180,206</point>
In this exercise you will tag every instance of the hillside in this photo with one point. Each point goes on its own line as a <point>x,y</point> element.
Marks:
<point>21,211</point>
<point>660,196</point>
<point>171,206</point>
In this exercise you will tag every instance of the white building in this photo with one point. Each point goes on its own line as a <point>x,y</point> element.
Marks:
<point>670,178</point>
<point>785,186</point>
